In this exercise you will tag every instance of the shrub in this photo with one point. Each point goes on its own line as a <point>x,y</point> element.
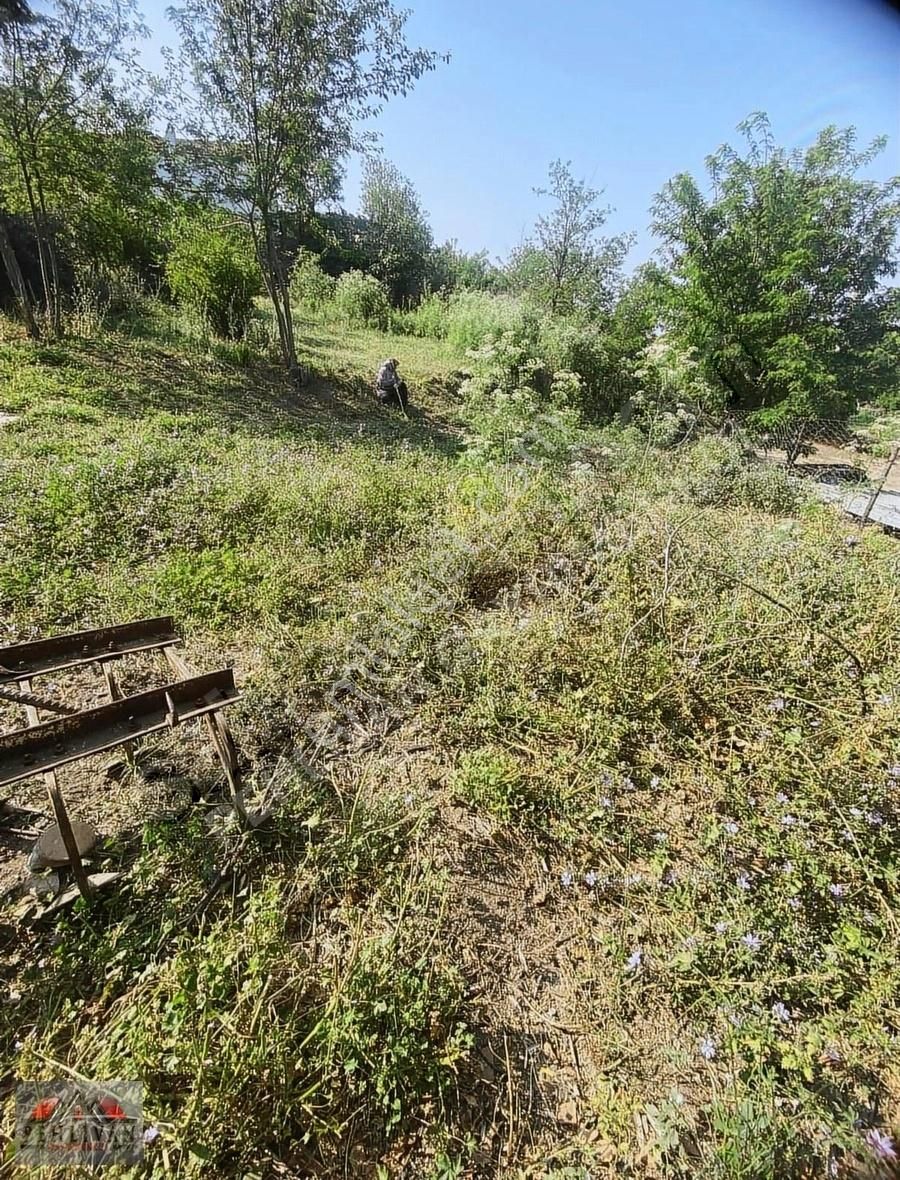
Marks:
<point>474,316</point>
<point>674,397</point>
<point>579,348</point>
<point>361,301</point>
<point>720,475</point>
<point>211,270</point>
<point>311,288</point>
<point>430,318</point>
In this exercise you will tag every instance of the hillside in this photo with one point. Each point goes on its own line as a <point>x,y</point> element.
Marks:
<point>584,782</point>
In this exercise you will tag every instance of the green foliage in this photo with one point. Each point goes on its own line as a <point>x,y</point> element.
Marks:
<point>361,301</point>
<point>397,233</point>
<point>778,275</point>
<point>720,474</point>
<point>674,400</point>
<point>211,269</point>
<point>452,269</point>
<point>567,267</point>
<point>517,410</point>
<point>311,288</point>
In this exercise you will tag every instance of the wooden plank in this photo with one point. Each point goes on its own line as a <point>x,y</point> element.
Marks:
<point>26,752</point>
<point>59,808</point>
<point>23,661</point>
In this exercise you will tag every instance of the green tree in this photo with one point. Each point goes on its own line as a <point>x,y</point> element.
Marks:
<point>399,240</point>
<point>452,269</point>
<point>280,88</point>
<point>777,274</point>
<point>62,76</point>
<point>567,265</point>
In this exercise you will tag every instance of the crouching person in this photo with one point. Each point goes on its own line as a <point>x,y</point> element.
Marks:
<point>389,388</point>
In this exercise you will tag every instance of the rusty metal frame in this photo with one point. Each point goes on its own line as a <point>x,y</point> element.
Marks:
<point>50,744</point>
<point>23,661</point>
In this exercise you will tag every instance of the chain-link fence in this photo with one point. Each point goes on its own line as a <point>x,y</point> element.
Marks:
<point>838,461</point>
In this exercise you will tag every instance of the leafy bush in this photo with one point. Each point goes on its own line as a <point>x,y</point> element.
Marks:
<point>515,408</point>
<point>311,288</point>
<point>674,397</point>
<point>579,348</point>
<point>211,269</point>
<point>361,301</point>
<point>473,316</point>
<point>719,474</point>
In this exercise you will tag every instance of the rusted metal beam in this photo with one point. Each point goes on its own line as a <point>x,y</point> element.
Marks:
<point>26,752</point>
<point>22,661</point>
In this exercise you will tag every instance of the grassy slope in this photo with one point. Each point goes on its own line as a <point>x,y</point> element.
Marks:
<point>603,780</point>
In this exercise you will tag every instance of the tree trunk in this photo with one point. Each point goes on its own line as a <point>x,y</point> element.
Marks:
<point>276,285</point>
<point>17,282</point>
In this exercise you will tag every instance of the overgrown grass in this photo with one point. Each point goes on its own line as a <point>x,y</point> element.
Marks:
<point>654,693</point>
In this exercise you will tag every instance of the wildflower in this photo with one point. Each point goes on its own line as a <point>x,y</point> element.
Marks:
<point>831,1055</point>
<point>881,1144</point>
<point>660,837</point>
<point>654,782</point>
<point>751,941</point>
<point>689,942</point>
<point>837,890</point>
<point>856,812</point>
<point>744,881</point>
<point>787,868</point>
<point>735,1019</point>
<point>707,1048</point>
<point>781,797</point>
<point>788,821</point>
<point>634,960</point>
<point>777,706</point>
<point>606,801</point>
<point>793,903</point>
<point>886,699</point>
<point>730,828</point>
<point>894,771</point>
<point>566,879</point>
<point>590,879</point>
<point>781,1013</point>
<point>875,819</point>
<point>408,800</point>
<point>721,927</point>
<point>847,835</point>
<point>20,1045</point>
<point>632,879</point>
<point>151,1135</point>
<point>851,541</point>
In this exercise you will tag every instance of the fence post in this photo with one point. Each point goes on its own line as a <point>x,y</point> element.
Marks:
<point>895,451</point>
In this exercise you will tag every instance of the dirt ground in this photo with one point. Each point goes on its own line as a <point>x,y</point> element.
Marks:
<point>843,461</point>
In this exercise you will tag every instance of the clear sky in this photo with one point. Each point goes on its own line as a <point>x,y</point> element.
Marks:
<point>631,91</point>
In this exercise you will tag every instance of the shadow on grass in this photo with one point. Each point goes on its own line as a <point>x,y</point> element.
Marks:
<point>136,374</point>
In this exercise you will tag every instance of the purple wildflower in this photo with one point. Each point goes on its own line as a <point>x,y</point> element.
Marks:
<point>832,1055</point>
<point>660,837</point>
<point>875,819</point>
<point>751,941</point>
<point>781,1013</point>
<point>721,927</point>
<point>837,890</point>
<point>654,782</point>
<point>151,1135</point>
<point>566,878</point>
<point>707,1048</point>
<point>793,903</point>
<point>894,771</point>
<point>634,960</point>
<point>777,706</point>
<point>881,1144</point>
<point>730,828</point>
<point>787,868</point>
<point>781,797</point>
<point>590,879</point>
<point>744,881</point>
<point>788,821</point>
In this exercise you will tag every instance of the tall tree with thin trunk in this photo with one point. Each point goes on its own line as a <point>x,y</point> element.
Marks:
<point>16,12</point>
<point>279,90</point>
<point>56,72</point>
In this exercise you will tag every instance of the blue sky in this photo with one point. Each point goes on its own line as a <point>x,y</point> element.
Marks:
<point>631,91</point>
